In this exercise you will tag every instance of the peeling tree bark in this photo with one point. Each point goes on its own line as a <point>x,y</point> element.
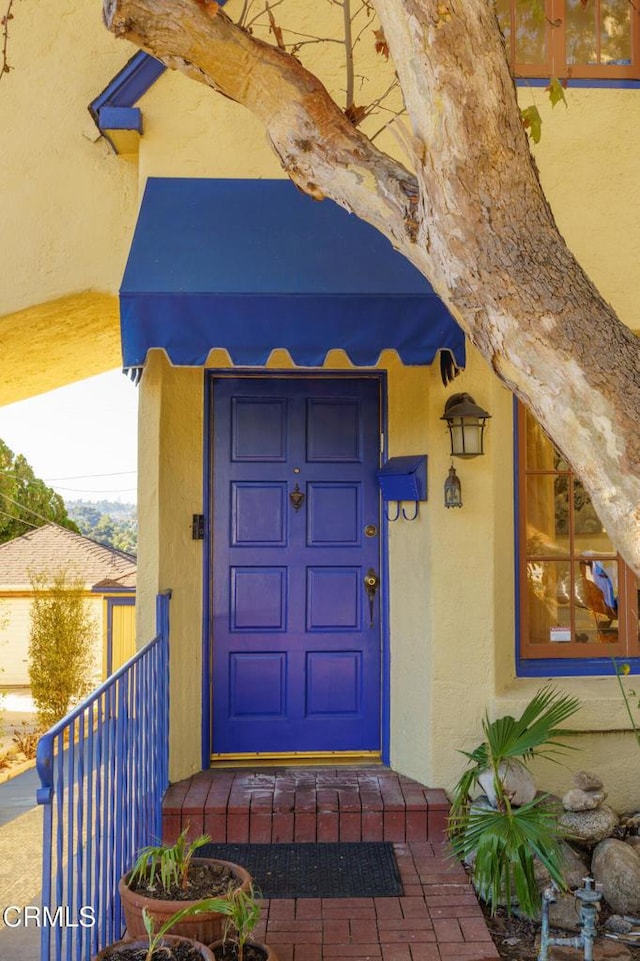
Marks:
<point>473,220</point>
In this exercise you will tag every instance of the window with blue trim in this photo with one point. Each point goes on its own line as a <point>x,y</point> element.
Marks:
<point>578,599</point>
<point>572,38</point>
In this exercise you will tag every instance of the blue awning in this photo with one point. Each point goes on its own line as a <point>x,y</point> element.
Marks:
<point>253,265</point>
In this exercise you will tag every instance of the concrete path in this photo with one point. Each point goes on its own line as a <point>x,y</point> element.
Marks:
<point>20,867</point>
<point>20,847</point>
<point>18,796</point>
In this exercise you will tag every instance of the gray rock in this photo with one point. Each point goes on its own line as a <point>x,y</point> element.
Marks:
<point>618,925</point>
<point>575,870</point>
<point>564,913</point>
<point>578,800</point>
<point>589,827</point>
<point>616,866</point>
<point>586,781</point>
<point>517,780</point>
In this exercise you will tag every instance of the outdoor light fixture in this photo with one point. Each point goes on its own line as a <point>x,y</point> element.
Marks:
<point>452,489</point>
<point>466,422</point>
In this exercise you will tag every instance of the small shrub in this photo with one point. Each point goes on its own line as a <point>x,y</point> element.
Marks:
<point>503,843</point>
<point>168,864</point>
<point>26,739</point>
<point>61,645</point>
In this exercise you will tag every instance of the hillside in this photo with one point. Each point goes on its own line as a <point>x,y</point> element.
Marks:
<point>108,522</point>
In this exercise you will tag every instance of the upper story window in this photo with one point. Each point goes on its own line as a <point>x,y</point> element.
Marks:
<point>578,599</point>
<point>572,38</point>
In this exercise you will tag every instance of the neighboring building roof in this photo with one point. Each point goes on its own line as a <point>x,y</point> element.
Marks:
<point>52,548</point>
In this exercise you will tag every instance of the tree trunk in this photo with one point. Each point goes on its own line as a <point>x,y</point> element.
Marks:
<point>473,219</point>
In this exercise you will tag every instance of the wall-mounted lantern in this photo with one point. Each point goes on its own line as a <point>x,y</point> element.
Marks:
<point>466,422</point>
<point>452,489</point>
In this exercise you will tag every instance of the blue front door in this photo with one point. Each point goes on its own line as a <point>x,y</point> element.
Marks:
<point>295,632</point>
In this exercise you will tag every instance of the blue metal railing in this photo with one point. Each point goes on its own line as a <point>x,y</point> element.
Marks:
<point>103,772</point>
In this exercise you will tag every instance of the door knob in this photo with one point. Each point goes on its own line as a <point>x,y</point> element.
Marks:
<point>371,584</point>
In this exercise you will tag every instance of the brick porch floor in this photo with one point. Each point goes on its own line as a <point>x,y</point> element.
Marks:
<point>437,919</point>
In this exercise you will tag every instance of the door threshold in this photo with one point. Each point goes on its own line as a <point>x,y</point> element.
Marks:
<point>296,759</point>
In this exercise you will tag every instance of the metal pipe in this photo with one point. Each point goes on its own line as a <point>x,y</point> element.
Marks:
<point>589,898</point>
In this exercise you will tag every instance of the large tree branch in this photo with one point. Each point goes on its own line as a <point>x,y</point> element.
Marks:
<point>319,148</point>
<point>475,222</point>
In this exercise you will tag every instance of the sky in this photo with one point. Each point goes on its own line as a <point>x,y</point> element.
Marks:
<point>81,439</point>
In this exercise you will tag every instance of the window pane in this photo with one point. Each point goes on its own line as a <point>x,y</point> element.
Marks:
<point>530,28</point>
<point>540,452</point>
<point>549,614</point>
<point>581,32</point>
<point>590,536</point>
<point>547,515</point>
<point>615,31</point>
<point>591,585</point>
<point>599,32</point>
<point>530,31</point>
<point>596,612</point>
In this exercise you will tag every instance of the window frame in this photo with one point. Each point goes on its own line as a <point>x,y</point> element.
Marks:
<point>566,658</point>
<point>555,63</point>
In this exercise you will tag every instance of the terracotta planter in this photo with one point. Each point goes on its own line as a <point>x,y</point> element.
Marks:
<point>270,953</point>
<point>205,952</point>
<point>206,927</point>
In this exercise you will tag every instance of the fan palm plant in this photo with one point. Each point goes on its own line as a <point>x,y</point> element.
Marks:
<point>503,842</point>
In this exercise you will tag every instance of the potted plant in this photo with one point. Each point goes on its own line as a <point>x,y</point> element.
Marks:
<point>242,914</point>
<point>159,944</point>
<point>166,879</point>
<point>502,838</point>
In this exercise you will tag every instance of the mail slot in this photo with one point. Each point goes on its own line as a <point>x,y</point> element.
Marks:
<point>404,478</point>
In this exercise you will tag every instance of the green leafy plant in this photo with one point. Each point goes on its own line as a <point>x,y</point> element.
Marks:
<point>62,645</point>
<point>242,916</point>
<point>503,842</point>
<point>167,863</point>
<point>221,905</point>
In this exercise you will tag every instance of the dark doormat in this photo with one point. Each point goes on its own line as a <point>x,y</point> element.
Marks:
<point>358,870</point>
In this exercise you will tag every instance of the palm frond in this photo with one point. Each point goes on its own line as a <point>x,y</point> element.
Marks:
<point>538,726</point>
<point>503,846</point>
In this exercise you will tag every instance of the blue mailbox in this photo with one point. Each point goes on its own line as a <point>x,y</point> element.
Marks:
<point>404,479</point>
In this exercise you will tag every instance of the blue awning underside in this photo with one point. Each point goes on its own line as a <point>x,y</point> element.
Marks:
<point>253,265</point>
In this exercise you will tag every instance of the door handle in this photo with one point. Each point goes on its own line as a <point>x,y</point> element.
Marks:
<point>371,584</point>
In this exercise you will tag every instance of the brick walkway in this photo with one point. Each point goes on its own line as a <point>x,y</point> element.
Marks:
<point>437,919</point>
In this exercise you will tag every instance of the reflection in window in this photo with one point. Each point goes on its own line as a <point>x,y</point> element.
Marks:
<point>571,37</point>
<point>598,32</point>
<point>576,594</point>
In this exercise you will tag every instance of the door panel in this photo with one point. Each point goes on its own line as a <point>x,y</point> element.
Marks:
<point>296,656</point>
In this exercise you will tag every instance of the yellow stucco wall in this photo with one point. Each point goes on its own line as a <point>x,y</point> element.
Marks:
<point>68,202</point>
<point>69,207</point>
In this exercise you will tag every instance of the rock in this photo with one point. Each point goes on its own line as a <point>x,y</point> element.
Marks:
<point>576,868</point>
<point>564,913</point>
<point>589,827</point>
<point>618,924</point>
<point>586,781</point>
<point>633,841</point>
<point>616,866</point>
<point>517,780</point>
<point>578,800</point>
<point>631,822</point>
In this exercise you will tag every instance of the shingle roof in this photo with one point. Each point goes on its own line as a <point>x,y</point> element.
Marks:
<point>51,548</point>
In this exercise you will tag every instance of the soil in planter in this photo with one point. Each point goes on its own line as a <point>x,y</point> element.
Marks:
<point>203,881</point>
<point>229,952</point>
<point>176,952</point>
